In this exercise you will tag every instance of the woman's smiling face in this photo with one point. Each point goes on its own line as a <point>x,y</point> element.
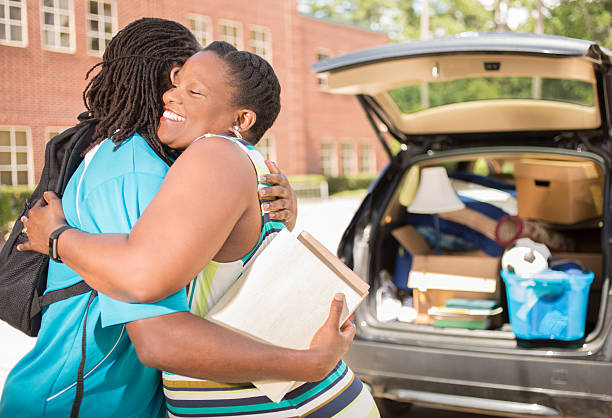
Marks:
<point>198,103</point>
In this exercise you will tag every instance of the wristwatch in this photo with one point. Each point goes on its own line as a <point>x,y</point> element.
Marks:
<point>53,255</point>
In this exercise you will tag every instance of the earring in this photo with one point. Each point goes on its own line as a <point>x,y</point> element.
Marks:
<point>236,132</point>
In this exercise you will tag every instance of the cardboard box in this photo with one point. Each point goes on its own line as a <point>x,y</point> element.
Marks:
<point>436,278</point>
<point>562,192</point>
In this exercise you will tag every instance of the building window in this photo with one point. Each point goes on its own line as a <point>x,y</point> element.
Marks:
<point>367,158</point>
<point>328,158</point>
<point>260,42</point>
<point>346,158</point>
<point>51,131</point>
<point>266,147</point>
<point>321,55</point>
<point>15,165</point>
<point>58,25</point>
<point>231,32</point>
<point>201,28</point>
<point>13,23</point>
<point>101,25</point>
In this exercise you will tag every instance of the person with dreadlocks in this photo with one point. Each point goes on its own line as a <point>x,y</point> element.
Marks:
<point>218,92</point>
<point>126,96</point>
<point>129,173</point>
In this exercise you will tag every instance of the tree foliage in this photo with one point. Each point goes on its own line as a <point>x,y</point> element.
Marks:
<point>584,19</point>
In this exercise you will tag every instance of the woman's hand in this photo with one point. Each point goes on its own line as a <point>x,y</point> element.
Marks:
<point>284,208</point>
<point>43,218</point>
<point>331,341</point>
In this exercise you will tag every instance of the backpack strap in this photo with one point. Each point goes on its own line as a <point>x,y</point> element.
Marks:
<point>39,302</point>
<point>80,387</point>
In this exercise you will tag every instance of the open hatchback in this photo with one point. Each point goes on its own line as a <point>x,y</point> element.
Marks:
<point>520,127</point>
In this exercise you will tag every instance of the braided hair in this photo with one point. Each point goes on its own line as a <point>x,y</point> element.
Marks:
<point>256,86</point>
<point>126,95</point>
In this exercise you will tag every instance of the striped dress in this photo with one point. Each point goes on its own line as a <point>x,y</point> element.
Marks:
<point>341,393</point>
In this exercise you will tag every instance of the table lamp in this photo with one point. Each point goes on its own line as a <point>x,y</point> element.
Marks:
<point>435,195</point>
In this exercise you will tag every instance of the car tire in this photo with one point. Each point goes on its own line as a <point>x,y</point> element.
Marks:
<point>389,408</point>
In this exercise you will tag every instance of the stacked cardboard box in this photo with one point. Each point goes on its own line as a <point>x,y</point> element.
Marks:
<point>563,192</point>
<point>437,278</point>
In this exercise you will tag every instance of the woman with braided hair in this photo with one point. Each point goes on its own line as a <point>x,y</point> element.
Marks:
<point>83,342</point>
<point>218,91</point>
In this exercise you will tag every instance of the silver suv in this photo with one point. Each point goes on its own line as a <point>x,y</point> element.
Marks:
<point>508,116</point>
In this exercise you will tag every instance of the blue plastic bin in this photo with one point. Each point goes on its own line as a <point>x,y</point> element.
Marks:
<point>551,306</point>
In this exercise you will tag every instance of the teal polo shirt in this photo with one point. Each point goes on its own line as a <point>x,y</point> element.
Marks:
<point>107,193</point>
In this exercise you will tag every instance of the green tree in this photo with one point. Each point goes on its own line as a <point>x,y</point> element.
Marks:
<point>451,17</point>
<point>583,19</point>
<point>380,15</point>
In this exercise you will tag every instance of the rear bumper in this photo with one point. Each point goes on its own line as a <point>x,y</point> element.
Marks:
<point>483,382</point>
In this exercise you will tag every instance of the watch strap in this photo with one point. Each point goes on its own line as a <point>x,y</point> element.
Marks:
<point>53,236</point>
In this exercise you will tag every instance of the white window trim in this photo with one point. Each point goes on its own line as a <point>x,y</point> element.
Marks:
<point>271,147</point>
<point>90,33</point>
<point>371,157</point>
<point>351,158</point>
<point>321,81</point>
<point>208,32</point>
<point>268,33</point>
<point>49,129</point>
<point>13,150</point>
<point>333,157</point>
<point>24,25</point>
<point>66,50</point>
<point>239,31</point>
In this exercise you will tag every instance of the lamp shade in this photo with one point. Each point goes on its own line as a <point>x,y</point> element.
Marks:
<point>435,193</point>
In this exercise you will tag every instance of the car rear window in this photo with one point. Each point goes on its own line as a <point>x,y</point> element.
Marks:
<point>417,97</point>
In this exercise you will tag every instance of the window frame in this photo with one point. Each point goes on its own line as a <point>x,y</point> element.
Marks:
<point>350,159</point>
<point>71,49</point>
<point>269,148</point>
<point>100,34</point>
<point>198,19</point>
<point>370,157</point>
<point>333,157</point>
<point>322,81</point>
<point>53,129</point>
<point>268,42</point>
<point>13,148</point>
<point>239,32</point>
<point>6,20</point>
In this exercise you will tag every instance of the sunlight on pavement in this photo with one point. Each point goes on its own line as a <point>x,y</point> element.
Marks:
<point>13,345</point>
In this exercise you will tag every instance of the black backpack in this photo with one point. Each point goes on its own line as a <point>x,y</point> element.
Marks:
<point>23,275</point>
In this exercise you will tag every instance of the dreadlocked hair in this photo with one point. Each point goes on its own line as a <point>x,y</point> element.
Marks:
<point>126,95</point>
<point>256,86</point>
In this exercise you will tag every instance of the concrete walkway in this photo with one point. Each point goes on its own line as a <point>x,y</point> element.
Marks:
<point>13,345</point>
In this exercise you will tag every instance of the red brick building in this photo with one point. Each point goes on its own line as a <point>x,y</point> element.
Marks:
<point>47,46</point>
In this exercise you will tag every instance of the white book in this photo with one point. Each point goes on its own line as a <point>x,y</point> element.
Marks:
<point>285,296</point>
